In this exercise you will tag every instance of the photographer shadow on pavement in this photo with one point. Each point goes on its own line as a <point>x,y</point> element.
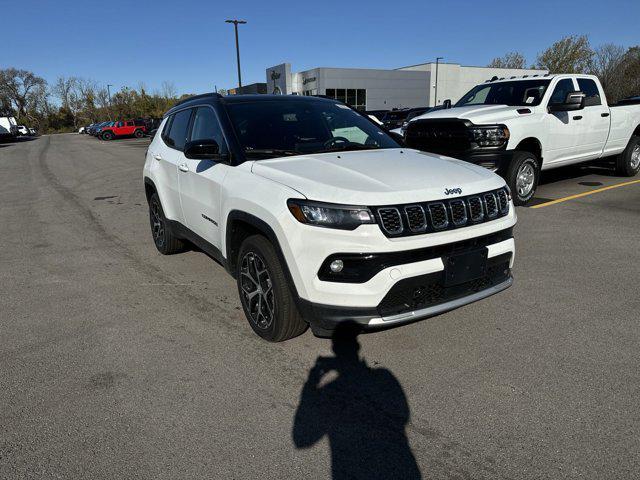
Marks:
<point>362,410</point>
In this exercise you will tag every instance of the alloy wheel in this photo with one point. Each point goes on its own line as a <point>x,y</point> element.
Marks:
<point>525,179</point>
<point>157,223</point>
<point>634,162</point>
<point>257,290</point>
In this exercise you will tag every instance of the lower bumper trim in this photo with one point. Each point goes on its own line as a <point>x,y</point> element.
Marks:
<point>441,308</point>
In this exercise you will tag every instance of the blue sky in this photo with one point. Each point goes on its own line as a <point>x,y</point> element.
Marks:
<point>187,42</point>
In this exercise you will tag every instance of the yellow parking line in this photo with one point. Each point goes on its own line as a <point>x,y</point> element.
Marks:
<point>584,194</point>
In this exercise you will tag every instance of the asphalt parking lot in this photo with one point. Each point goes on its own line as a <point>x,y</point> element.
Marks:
<point>117,362</point>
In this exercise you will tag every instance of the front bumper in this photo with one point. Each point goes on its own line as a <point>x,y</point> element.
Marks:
<point>496,161</point>
<point>326,303</point>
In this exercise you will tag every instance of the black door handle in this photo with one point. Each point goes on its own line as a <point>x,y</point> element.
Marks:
<point>578,117</point>
<point>604,114</point>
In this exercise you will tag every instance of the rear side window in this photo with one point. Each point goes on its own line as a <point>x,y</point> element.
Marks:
<point>563,88</point>
<point>590,89</point>
<point>207,127</point>
<point>129,124</point>
<point>177,136</point>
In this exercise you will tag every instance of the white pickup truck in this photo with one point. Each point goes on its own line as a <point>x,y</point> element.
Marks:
<point>8,128</point>
<point>520,126</point>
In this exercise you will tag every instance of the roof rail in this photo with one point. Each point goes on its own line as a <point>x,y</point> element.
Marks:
<point>196,97</point>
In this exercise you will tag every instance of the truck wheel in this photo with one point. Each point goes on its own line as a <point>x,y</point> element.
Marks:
<point>107,136</point>
<point>628,162</point>
<point>264,292</point>
<point>166,242</point>
<point>138,134</point>
<point>522,177</point>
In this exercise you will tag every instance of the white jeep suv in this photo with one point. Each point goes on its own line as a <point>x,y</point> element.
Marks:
<point>322,216</point>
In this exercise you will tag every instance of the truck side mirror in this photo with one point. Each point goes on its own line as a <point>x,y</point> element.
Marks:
<point>447,103</point>
<point>573,101</point>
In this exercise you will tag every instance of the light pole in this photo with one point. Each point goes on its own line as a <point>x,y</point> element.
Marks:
<point>109,92</point>
<point>235,26</point>
<point>436,92</point>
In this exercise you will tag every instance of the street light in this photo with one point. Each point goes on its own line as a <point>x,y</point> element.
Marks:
<point>235,26</point>
<point>436,92</point>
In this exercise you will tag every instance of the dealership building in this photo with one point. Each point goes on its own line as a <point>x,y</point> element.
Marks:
<point>379,89</point>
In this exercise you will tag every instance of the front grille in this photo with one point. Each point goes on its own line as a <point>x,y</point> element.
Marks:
<point>503,201</point>
<point>439,217</point>
<point>490,204</point>
<point>458,212</point>
<point>425,291</point>
<point>438,136</point>
<point>415,219</point>
<point>476,213</point>
<point>391,221</point>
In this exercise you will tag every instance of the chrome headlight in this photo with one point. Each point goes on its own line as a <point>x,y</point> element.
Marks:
<point>489,135</point>
<point>343,217</point>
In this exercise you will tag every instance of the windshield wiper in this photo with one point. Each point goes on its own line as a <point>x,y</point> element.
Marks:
<point>350,146</point>
<point>270,151</point>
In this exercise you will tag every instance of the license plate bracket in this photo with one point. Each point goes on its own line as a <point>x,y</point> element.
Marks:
<point>465,267</point>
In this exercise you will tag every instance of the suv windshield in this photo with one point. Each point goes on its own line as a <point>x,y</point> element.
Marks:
<point>276,128</point>
<point>517,93</point>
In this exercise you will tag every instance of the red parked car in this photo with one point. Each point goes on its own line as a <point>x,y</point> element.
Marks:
<point>130,128</point>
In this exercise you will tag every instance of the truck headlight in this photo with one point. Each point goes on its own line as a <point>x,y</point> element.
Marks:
<point>344,217</point>
<point>489,135</point>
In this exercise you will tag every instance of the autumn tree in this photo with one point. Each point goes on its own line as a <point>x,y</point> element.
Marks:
<point>509,60</point>
<point>571,54</point>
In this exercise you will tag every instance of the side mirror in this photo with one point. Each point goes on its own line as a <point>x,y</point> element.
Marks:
<point>202,150</point>
<point>447,103</point>
<point>397,137</point>
<point>573,101</point>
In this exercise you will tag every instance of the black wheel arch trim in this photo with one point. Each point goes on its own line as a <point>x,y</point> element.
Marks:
<point>268,232</point>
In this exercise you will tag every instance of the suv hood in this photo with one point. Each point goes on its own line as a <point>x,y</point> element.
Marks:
<point>377,177</point>
<point>478,114</point>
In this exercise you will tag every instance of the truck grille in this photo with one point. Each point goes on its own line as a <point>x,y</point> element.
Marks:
<point>447,136</point>
<point>415,219</point>
<point>425,291</point>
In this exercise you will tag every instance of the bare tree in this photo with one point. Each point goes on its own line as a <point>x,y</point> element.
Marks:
<point>570,54</point>
<point>606,63</point>
<point>509,60</point>
<point>168,89</point>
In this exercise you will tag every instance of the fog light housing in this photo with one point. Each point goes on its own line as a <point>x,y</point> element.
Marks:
<point>336,266</point>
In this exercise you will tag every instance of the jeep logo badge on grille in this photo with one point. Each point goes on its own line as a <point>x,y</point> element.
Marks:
<point>452,191</point>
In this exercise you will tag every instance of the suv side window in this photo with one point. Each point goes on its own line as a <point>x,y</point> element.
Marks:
<point>207,127</point>
<point>563,88</point>
<point>120,124</point>
<point>129,124</point>
<point>590,89</point>
<point>178,130</point>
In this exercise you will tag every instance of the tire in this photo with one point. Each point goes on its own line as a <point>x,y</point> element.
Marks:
<point>138,134</point>
<point>264,291</point>
<point>628,162</point>
<point>163,238</point>
<point>522,177</point>
<point>106,136</point>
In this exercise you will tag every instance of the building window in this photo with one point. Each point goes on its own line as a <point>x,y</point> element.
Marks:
<point>357,98</point>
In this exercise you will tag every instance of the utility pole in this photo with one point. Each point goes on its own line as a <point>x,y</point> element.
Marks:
<point>436,92</point>
<point>235,25</point>
<point>109,92</point>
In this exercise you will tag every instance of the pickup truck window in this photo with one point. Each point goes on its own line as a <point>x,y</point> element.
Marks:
<point>275,128</point>
<point>591,92</point>
<point>516,93</point>
<point>563,88</point>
